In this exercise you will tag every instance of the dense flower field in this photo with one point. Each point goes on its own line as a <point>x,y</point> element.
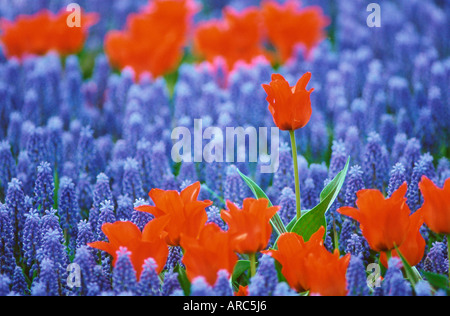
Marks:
<point>93,203</point>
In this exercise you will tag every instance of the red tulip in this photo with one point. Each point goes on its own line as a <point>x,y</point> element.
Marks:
<point>249,227</point>
<point>148,244</point>
<point>413,248</point>
<point>308,266</point>
<point>287,26</point>
<point>385,223</point>
<point>208,254</point>
<point>44,32</point>
<point>290,106</point>
<point>436,205</point>
<point>186,215</point>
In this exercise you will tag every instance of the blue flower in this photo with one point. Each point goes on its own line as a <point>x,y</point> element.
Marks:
<point>124,276</point>
<point>310,195</point>
<point>19,285</point>
<point>36,146</point>
<point>423,288</point>
<point>5,282</point>
<point>171,283</point>
<point>31,238</point>
<point>288,207</point>
<point>141,219</point>
<point>14,131</point>
<point>284,177</point>
<point>68,208</point>
<point>15,203</point>
<point>7,165</point>
<point>374,162</point>
<point>423,167</point>
<point>356,278</point>
<point>265,280</point>
<point>223,284</point>
<point>436,260</point>
<point>355,183</point>
<point>106,216</point>
<point>397,178</point>
<point>102,192</point>
<point>7,243</point>
<point>411,154</point>
<point>48,283</point>
<point>175,257</point>
<point>85,234</point>
<point>44,187</point>
<point>200,287</point>
<point>394,283</point>
<point>52,249</point>
<point>358,246</point>
<point>132,184</point>
<point>84,192</point>
<point>235,189</point>
<point>85,261</point>
<point>125,208</point>
<point>149,283</point>
<point>55,142</point>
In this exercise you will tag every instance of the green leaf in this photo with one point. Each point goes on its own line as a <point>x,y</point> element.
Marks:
<point>183,279</point>
<point>294,220</point>
<point>240,268</point>
<point>411,272</point>
<point>311,221</point>
<point>438,281</point>
<point>276,221</point>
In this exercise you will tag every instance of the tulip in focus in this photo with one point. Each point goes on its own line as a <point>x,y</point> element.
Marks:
<point>249,227</point>
<point>208,254</point>
<point>289,106</point>
<point>308,266</point>
<point>143,245</point>
<point>386,223</point>
<point>186,215</point>
<point>436,205</point>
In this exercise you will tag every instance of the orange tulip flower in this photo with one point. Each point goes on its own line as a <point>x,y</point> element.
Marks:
<point>384,222</point>
<point>413,248</point>
<point>436,205</point>
<point>236,38</point>
<point>208,254</point>
<point>148,244</point>
<point>249,227</point>
<point>43,32</point>
<point>186,215</point>
<point>154,39</point>
<point>288,26</point>
<point>308,266</point>
<point>290,106</point>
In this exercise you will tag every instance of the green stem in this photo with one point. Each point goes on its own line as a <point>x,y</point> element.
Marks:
<point>252,258</point>
<point>389,255</point>
<point>297,178</point>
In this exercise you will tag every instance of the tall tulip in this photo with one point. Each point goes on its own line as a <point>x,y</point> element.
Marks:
<point>291,110</point>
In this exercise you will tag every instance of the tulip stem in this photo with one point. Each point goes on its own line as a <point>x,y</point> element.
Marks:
<point>252,258</point>
<point>296,175</point>
<point>389,255</point>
